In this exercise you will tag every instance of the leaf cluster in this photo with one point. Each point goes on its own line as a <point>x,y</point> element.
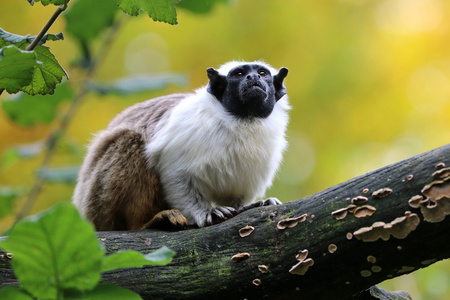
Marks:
<point>56,255</point>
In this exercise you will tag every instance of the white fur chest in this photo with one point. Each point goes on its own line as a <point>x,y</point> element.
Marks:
<point>203,149</point>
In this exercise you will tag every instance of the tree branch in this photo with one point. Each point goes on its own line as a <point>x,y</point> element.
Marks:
<point>345,259</point>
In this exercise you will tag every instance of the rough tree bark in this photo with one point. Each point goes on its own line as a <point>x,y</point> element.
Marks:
<point>348,249</point>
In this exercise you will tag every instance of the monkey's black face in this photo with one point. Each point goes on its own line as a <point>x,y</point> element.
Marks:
<point>249,90</point>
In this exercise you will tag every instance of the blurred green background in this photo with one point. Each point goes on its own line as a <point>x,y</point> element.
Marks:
<point>369,83</point>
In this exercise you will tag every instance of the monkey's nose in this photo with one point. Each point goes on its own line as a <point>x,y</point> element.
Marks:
<point>253,76</point>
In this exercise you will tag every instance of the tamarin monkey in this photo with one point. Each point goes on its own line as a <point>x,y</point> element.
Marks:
<point>196,159</point>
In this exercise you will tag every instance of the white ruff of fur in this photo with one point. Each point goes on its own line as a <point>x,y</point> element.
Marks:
<point>207,157</point>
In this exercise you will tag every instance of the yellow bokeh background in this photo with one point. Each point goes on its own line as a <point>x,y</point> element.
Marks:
<point>369,83</point>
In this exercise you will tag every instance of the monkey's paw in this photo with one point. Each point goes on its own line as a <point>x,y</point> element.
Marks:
<point>171,219</point>
<point>267,202</point>
<point>219,214</point>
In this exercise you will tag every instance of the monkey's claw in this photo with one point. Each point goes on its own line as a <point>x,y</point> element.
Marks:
<point>219,214</point>
<point>267,202</point>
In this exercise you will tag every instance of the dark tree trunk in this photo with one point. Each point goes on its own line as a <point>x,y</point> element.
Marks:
<point>346,258</point>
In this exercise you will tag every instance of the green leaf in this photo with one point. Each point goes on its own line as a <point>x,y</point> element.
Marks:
<point>7,196</point>
<point>9,157</point>
<point>47,75</point>
<point>46,72</point>
<point>29,110</point>
<point>137,84</point>
<point>12,38</point>
<point>105,291</point>
<point>55,250</point>
<point>158,10</point>
<point>60,175</point>
<point>16,68</point>
<point>383,294</point>
<point>199,7</point>
<point>47,2</point>
<point>85,19</point>
<point>14,293</point>
<point>133,259</point>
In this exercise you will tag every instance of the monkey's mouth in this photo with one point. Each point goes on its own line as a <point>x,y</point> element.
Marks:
<point>255,85</point>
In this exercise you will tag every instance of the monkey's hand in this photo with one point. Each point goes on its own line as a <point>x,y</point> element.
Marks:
<point>267,202</point>
<point>219,214</point>
<point>171,219</point>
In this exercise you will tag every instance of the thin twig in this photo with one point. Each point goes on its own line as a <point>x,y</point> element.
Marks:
<point>44,30</point>
<point>65,121</point>
<point>46,27</point>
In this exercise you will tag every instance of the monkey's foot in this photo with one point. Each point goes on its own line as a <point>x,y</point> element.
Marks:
<point>219,214</point>
<point>267,202</point>
<point>171,219</point>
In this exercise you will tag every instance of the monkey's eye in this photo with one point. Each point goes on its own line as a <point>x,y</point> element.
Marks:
<point>262,73</point>
<point>239,74</point>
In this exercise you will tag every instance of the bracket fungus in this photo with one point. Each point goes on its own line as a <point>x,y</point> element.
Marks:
<point>340,213</point>
<point>381,193</point>
<point>263,269</point>
<point>239,257</point>
<point>399,228</point>
<point>415,201</point>
<point>372,259</point>
<point>442,173</point>
<point>302,255</point>
<point>303,263</point>
<point>301,267</point>
<point>256,281</point>
<point>246,231</point>
<point>439,166</point>
<point>332,248</point>
<point>364,211</point>
<point>291,222</point>
<point>439,193</point>
<point>359,200</point>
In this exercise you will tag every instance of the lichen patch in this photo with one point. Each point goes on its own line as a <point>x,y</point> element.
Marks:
<point>405,269</point>
<point>366,273</point>
<point>372,259</point>
<point>428,261</point>
<point>376,269</point>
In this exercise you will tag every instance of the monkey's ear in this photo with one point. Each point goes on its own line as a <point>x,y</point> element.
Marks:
<point>280,89</point>
<point>217,83</point>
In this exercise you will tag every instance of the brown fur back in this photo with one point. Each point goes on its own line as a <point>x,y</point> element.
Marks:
<point>117,189</point>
